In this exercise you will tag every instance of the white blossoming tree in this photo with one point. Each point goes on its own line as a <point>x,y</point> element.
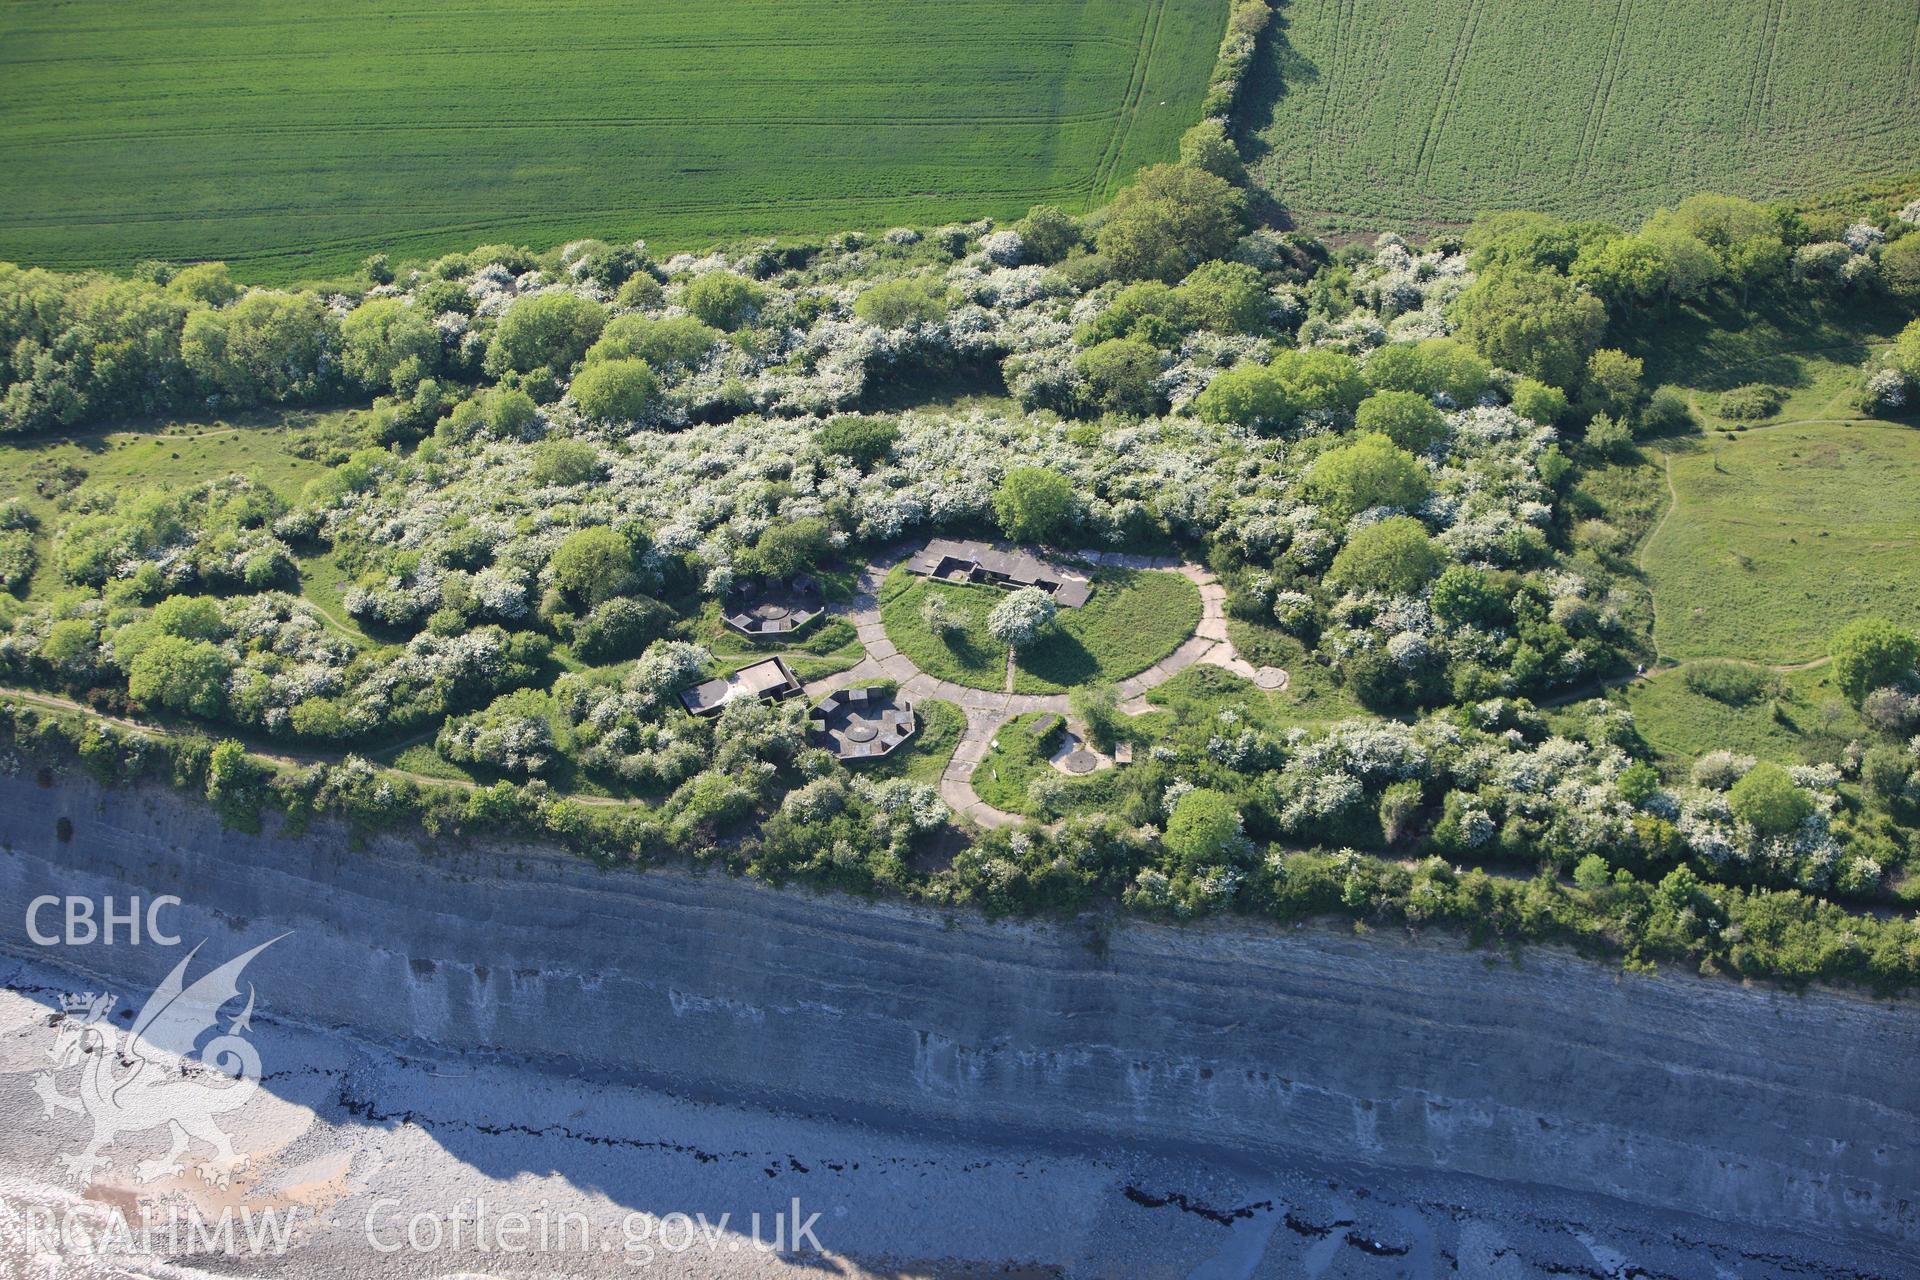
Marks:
<point>1018,620</point>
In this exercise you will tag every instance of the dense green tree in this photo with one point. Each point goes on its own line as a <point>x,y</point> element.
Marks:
<point>1638,783</point>
<point>1407,418</point>
<point>1207,146</point>
<point>1149,311</point>
<point>1609,437</point>
<point>1321,379</point>
<point>621,628</point>
<point>1904,355</point>
<point>1434,366</point>
<point>267,348</point>
<point>1399,809</point>
<point>1372,471</point>
<point>1122,376</point>
<point>181,675</point>
<point>863,441</point>
<point>1531,241</point>
<point>387,344</point>
<point>1047,235</point>
<point>615,390</point>
<point>1170,220</point>
<point>1463,594</point>
<point>1592,873</point>
<point>904,300</point>
<point>641,292</point>
<point>1532,323</point>
<point>504,413</point>
<point>592,565</point>
<point>1743,236</point>
<point>666,343</point>
<point>1205,830</point>
<point>723,299</point>
<point>1766,797</point>
<point>1625,271</point>
<point>1872,653</point>
<point>1900,268</point>
<point>1535,400</point>
<point>564,462</point>
<point>1248,395</point>
<point>1688,268</point>
<point>190,618</point>
<point>1614,377</point>
<point>1887,771</point>
<point>205,284</point>
<point>1227,297</point>
<point>1034,504</point>
<point>74,348</point>
<point>547,331</point>
<point>793,546</point>
<point>1395,556</point>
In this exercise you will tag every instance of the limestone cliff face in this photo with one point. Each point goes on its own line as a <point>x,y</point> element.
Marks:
<point>1752,1105</point>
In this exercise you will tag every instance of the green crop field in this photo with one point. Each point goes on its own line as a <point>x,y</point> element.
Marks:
<point>1388,114</point>
<point>1780,535</point>
<point>293,140</point>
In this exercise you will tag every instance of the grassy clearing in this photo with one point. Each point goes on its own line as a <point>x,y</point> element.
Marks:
<point>1135,618</point>
<point>925,756</point>
<point>1198,695</point>
<point>1019,751</point>
<point>1812,351</point>
<point>1022,750</point>
<point>971,656</point>
<point>1382,114</point>
<point>687,121</point>
<point>168,455</point>
<point>1799,718</point>
<point>1314,695</point>
<point>1780,536</point>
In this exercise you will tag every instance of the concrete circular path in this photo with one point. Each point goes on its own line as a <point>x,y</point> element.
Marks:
<point>986,710</point>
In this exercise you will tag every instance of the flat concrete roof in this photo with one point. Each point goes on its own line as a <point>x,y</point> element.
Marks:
<point>1017,567</point>
<point>767,678</point>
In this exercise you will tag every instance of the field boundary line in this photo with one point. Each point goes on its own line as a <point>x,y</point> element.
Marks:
<point>1595,127</point>
<point>1913,56</point>
<point>1764,104</point>
<point>1109,163</point>
<point>1762,65</point>
<point>1335,56</point>
<point>323,128</point>
<point>1449,89</point>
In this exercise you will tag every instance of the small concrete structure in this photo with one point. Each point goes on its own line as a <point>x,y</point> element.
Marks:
<point>762,607</point>
<point>862,723</point>
<point>1076,757</point>
<point>995,566</point>
<point>769,680</point>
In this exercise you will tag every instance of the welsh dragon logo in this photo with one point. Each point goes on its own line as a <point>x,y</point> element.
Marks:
<point>152,1074</point>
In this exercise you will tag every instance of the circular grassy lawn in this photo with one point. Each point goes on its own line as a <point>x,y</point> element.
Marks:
<point>1135,618</point>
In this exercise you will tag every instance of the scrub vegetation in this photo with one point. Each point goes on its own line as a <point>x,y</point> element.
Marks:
<point>1579,547</point>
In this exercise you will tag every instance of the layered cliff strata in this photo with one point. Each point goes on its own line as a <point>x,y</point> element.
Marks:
<point>1781,1114</point>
